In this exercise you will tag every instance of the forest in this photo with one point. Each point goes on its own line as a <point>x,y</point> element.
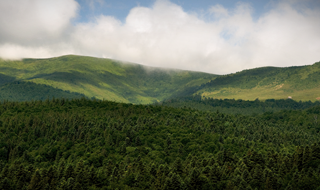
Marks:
<point>93,144</point>
<point>232,106</point>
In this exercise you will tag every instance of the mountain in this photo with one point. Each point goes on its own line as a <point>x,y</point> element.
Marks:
<point>99,78</point>
<point>298,83</point>
<point>133,83</point>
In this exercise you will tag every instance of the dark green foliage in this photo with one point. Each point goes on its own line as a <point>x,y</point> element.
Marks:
<point>232,106</point>
<point>91,144</point>
<point>36,181</point>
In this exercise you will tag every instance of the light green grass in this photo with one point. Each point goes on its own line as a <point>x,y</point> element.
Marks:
<point>300,83</point>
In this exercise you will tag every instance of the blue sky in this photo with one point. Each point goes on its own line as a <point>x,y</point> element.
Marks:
<point>121,8</point>
<point>220,37</point>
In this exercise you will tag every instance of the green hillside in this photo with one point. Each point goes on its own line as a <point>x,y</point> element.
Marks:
<point>300,83</point>
<point>132,83</point>
<point>103,78</point>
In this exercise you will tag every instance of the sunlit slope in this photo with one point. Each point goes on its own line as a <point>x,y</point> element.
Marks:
<point>103,78</point>
<point>300,83</point>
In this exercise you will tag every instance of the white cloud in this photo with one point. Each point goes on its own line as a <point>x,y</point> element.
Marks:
<point>26,22</point>
<point>93,3</point>
<point>166,36</point>
<point>219,11</point>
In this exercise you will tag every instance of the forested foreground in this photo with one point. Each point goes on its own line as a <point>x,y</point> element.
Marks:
<point>90,144</point>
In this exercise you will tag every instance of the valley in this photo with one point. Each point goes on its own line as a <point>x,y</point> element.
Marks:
<point>107,79</point>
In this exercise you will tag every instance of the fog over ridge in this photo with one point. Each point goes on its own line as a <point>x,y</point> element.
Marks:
<point>165,35</point>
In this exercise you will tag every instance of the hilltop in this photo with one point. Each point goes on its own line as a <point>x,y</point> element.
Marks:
<point>101,78</point>
<point>298,83</point>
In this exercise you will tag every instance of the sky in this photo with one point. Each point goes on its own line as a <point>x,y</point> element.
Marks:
<point>213,36</point>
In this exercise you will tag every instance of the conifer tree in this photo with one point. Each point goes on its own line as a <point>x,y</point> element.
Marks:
<point>115,175</point>
<point>176,182</point>
<point>61,168</point>
<point>167,184</point>
<point>138,141</point>
<point>215,173</point>
<point>69,172</point>
<point>91,176</point>
<point>77,186</point>
<point>307,156</point>
<point>169,142</point>
<point>5,171</point>
<point>62,184</point>
<point>257,177</point>
<point>5,184</point>
<point>35,182</point>
<point>128,141</point>
<point>20,185</point>
<point>123,149</point>
<point>246,176</point>
<point>160,177</point>
<point>177,166</point>
<point>195,181</point>
<point>153,170</point>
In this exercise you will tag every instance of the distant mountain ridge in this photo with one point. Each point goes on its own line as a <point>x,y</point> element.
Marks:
<point>103,78</point>
<point>73,76</point>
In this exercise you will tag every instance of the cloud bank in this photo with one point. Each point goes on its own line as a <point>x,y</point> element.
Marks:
<point>164,35</point>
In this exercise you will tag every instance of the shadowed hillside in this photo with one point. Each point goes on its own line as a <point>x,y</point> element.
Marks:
<point>27,91</point>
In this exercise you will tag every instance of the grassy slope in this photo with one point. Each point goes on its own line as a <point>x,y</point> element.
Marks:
<point>103,78</point>
<point>301,83</point>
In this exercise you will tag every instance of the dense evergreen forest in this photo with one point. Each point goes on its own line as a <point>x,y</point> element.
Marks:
<point>93,144</point>
<point>232,106</point>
